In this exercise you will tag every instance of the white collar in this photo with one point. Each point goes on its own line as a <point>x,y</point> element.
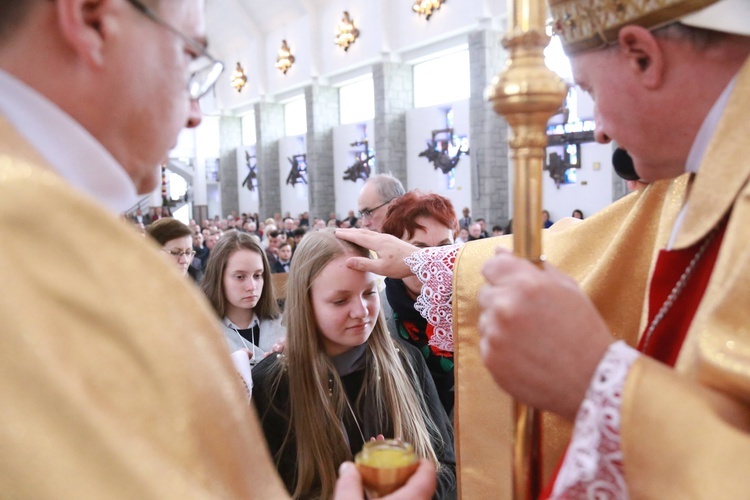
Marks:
<point>706,132</point>
<point>69,148</point>
<point>699,147</point>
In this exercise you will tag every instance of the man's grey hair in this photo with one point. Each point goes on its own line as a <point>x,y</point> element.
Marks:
<point>700,38</point>
<point>387,187</point>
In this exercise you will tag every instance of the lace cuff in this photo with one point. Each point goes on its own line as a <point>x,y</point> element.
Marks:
<point>434,268</point>
<point>593,466</point>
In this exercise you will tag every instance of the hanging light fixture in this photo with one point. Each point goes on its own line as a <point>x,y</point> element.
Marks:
<point>346,32</point>
<point>238,78</point>
<point>285,58</point>
<point>427,7</point>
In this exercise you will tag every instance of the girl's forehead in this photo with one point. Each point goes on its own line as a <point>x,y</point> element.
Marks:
<point>243,252</point>
<point>244,256</point>
<point>337,272</point>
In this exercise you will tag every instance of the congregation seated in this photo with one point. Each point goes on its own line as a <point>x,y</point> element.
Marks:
<point>546,220</point>
<point>201,251</point>
<point>284,258</point>
<point>475,232</point>
<point>271,241</point>
<point>298,233</point>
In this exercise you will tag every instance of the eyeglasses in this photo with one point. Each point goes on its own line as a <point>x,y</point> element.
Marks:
<point>180,253</point>
<point>204,69</point>
<point>366,213</point>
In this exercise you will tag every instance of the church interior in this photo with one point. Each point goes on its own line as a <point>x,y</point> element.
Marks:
<point>316,95</point>
<point>336,249</point>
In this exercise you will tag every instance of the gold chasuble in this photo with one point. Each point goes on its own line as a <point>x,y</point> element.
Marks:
<point>689,436</point>
<point>114,378</point>
<point>610,255</point>
<point>685,432</point>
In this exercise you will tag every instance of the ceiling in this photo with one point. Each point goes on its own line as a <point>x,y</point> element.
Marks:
<point>250,32</point>
<point>259,16</point>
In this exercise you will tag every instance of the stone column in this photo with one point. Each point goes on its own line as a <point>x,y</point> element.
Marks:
<point>488,133</point>
<point>230,137</point>
<point>322,115</point>
<point>269,127</point>
<point>394,95</point>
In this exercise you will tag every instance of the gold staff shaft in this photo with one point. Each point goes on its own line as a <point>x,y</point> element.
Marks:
<point>527,94</point>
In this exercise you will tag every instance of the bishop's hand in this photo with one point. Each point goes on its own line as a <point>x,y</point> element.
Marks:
<point>542,338</point>
<point>391,252</point>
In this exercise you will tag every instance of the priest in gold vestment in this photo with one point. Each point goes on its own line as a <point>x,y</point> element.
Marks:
<point>115,381</point>
<point>647,349</point>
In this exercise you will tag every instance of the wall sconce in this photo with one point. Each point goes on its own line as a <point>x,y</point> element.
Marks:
<point>427,7</point>
<point>238,78</point>
<point>346,32</point>
<point>285,58</point>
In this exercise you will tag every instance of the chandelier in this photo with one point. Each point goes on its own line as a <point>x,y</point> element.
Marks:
<point>238,78</point>
<point>285,58</point>
<point>346,32</point>
<point>427,7</point>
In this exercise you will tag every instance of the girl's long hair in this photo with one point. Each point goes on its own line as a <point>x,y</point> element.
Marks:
<point>315,414</point>
<point>212,283</point>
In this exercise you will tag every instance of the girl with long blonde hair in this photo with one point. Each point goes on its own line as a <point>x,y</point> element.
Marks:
<point>342,378</point>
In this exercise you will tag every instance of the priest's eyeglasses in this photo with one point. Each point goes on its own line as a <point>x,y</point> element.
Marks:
<point>180,253</point>
<point>204,69</point>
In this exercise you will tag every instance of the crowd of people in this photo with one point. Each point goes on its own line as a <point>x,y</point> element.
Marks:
<point>279,235</point>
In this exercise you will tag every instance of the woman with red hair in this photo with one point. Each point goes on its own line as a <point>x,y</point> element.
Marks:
<point>424,220</point>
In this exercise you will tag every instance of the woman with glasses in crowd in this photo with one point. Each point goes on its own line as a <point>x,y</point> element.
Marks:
<point>176,239</point>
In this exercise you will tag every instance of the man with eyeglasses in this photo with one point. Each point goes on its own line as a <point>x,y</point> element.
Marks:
<point>377,193</point>
<point>114,378</point>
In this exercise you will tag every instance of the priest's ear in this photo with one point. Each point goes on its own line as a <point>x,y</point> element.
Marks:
<point>644,54</point>
<point>84,25</point>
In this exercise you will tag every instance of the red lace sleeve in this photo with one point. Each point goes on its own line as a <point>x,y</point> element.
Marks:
<point>593,466</point>
<point>434,269</point>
